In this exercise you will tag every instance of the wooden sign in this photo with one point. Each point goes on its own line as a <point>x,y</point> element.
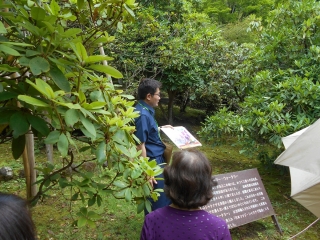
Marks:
<point>240,198</point>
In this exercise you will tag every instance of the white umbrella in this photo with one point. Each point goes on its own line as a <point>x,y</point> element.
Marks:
<point>302,156</point>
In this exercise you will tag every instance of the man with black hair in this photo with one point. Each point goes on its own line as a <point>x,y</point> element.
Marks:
<point>147,131</point>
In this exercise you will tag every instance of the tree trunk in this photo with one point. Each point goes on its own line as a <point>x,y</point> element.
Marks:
<point>49,152</point>
<point>30,153</point>
<point>27,171</point>
<point>105,63</point>
<point>185,102</point>
<point>172,95</point>
<point>49,147</point>
<point>164,113</point>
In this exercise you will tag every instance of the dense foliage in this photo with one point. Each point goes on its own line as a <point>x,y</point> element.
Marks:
<point>281,82</point>
<point>52,82</point>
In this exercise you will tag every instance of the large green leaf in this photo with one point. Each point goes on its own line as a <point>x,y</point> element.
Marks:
<point>147,205</point>
<point>37,13</point>
<point>97,58</point>
<point>140,207</point>
<point>107,69</point>
<point>71,117</point>
<point>17,146</point>
<point>72,32</point>
<point>63,145</point>
<point>123,149</point>
<point>128,195</point>
<point>82,221</point>
<point>55,8</point>
<point>121,137</point>
<point>80,4</point>
<point>94,105</point>
<point>32,101</point>
<point>24,61</point>
<point>8,50</point>
<point>101,153</point>
<point>53,137</point>
<point>7,95</point>
<point>8,68</point>
<point>38,124</point>
<point>2,28</point>
<point>39,65</point>
<point>5,116</point>
<point>59,79</point>
<point>80,51</point>
<point>42,87</point>
<point>49,26</point>
<point>19,124</point>
<point>21,44</point>
<point>33,29</point>
<point>31,53</point>
<point>87,133</point>
<point>88,125</point>
<point>69,105</point>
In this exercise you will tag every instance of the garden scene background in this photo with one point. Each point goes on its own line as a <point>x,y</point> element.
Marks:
<point>239,75</point>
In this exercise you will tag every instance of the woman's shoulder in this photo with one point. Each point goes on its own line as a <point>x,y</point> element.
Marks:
<point>218,220</point>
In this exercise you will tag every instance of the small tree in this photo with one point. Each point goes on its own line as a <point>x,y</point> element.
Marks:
<point>50,64</point>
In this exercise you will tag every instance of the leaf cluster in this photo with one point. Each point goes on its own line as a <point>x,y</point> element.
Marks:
<point>55,80</point>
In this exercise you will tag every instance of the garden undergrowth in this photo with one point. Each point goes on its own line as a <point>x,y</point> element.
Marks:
<point>54,215</point>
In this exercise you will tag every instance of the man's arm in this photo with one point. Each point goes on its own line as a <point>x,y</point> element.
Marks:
<point>142,147</point>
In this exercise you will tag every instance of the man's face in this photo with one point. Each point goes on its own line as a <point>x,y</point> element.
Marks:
<point>153,100</point>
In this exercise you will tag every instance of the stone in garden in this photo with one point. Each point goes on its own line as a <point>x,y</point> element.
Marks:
<point>6,173</point>
<point>89,166</point>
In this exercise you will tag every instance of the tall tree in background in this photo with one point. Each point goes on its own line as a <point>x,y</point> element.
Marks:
<point>178,52</point>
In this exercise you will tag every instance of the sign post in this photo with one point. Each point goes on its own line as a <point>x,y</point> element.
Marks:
<point>240,198</point>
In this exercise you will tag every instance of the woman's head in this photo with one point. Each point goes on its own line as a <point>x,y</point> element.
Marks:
<point>15,219</point>
<point>188,180</point>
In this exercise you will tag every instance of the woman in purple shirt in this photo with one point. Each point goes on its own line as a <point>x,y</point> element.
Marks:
<point>188,183</point>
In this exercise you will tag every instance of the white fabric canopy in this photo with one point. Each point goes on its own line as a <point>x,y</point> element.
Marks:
<point>302,155</point>
<point>304,152</point>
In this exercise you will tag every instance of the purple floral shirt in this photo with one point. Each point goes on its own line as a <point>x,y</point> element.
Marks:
<point>170,223</point>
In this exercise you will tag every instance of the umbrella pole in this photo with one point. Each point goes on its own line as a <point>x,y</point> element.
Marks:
<point>304,229</point>
<point>276,223</point>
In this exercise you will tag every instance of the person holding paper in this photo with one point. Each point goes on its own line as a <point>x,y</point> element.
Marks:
<point>188,183</point>
<point>147,131</point>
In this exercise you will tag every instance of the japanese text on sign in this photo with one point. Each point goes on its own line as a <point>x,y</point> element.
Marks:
<point>240,198</point>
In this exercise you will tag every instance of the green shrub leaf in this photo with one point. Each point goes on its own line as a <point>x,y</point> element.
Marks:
<point>19,124</point>
<point>59,79</point>
<point>8,50</point>
<point>37,13</point>
<point>52,138</point>
<point>7,95</point>
<point>32,101</point>
<point>82,221</point>
<point>88,125</point>
<point>39,65</point>
<point>107,69</point>
<point>101,153</point>
<point>38,124</point>
<point>63,145</point>
<point>17,146</point>
<point>71,117</point>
